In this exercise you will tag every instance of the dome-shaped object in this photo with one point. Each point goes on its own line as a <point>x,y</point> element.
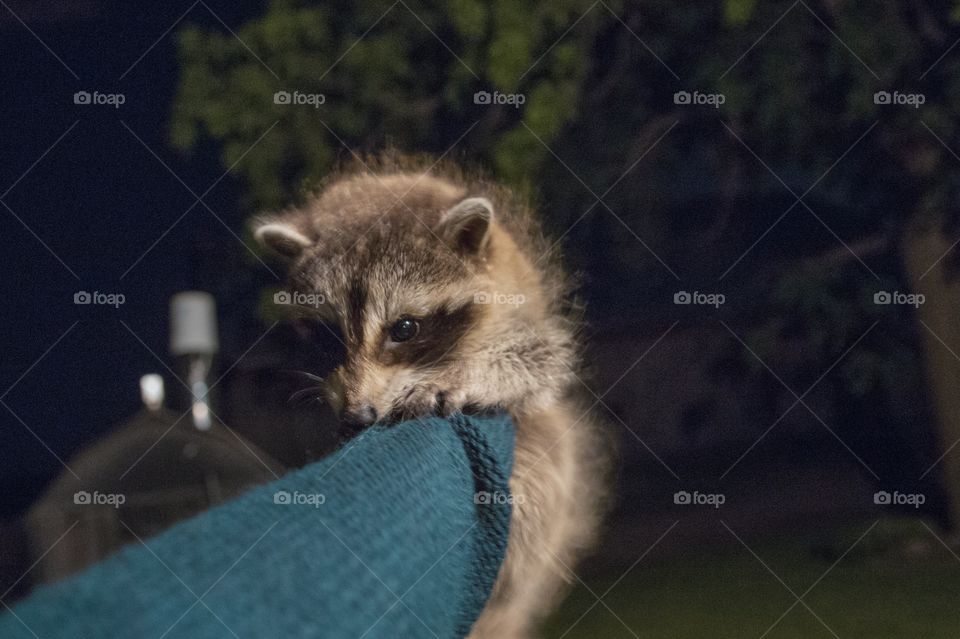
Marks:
<point>148,474</point>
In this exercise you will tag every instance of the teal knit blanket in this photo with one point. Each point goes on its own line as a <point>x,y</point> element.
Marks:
<point>390,537</point>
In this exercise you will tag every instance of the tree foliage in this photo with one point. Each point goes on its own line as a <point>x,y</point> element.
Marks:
<point>390,74</point>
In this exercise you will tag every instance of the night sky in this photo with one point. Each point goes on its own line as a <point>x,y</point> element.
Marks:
<point>87,207</point>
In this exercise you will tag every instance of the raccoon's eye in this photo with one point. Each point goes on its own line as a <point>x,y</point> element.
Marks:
<point>405,329</point>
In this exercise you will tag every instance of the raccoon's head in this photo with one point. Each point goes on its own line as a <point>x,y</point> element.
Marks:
<point>435,305</point>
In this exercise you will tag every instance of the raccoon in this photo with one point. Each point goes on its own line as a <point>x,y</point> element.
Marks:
<point>447,298</point>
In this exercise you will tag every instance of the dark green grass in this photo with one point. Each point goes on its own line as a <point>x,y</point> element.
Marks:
<point>899,581</point>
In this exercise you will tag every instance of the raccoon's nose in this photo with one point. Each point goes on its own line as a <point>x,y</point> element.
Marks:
<point>359,416</point>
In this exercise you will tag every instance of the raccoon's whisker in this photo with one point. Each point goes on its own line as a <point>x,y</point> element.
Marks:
<point>310,376</point>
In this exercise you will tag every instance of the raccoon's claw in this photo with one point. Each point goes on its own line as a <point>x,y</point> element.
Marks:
<point>443,405</point>
<point>430,399</point>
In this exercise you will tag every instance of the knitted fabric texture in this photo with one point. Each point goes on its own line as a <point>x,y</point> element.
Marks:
<point>385,538</point>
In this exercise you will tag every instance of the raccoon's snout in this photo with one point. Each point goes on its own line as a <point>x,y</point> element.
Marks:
<point>359,417</point>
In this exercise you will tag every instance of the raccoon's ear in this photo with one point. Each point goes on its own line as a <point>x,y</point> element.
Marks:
<point>284,237</point>
<point>466,226</point>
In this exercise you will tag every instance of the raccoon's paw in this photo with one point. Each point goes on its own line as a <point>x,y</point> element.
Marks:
<point>431,399</point>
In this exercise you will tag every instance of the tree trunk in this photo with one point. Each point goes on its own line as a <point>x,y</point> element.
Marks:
<point>923,244</point>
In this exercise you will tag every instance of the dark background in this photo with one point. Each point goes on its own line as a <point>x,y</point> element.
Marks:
<point>99,200</point>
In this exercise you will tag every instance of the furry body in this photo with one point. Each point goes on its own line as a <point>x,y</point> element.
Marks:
<point>460,265</point>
